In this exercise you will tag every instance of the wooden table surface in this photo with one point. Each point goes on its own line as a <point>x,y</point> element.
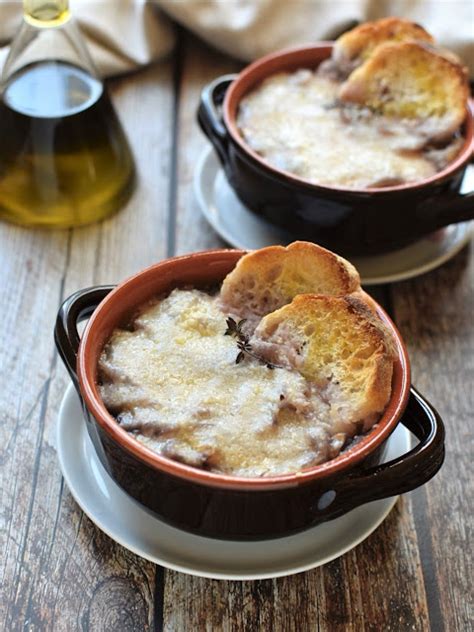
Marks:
<point>59,572</point>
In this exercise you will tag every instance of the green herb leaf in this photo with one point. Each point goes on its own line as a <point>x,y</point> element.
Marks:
<point>235,330</point>
<point>240,357</point>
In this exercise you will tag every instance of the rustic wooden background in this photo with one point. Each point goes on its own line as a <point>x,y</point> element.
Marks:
<point>59,572</point>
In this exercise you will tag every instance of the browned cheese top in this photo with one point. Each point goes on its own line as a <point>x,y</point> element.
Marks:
<point>294,121</point>
<point>173,382</point>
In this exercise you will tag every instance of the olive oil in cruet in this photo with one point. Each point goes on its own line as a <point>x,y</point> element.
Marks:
<point>64,157</point>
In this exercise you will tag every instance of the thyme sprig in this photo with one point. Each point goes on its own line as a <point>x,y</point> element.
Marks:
<point>235,329</point>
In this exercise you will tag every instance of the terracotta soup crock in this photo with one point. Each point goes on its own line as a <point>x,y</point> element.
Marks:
<point>348,220</point>
<point>221,506</point>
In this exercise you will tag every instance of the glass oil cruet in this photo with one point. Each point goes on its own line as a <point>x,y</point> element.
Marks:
<point>64,158</point>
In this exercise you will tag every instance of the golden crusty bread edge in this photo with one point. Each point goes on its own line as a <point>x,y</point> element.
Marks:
<point>358,43</point>
<point>267,265</point>
<point>376,374</point>
<point>384,83</point>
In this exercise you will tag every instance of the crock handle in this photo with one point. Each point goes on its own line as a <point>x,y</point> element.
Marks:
<point>77,307</point>
<point>209,117</point>
<point>458,207</point>
<point>454,210</point>
<point>408,471</point>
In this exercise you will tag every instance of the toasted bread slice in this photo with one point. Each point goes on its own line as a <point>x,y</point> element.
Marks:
<point>266,279</point>
<point>339,344</point>
<point>355,46</point>
<point>411,81</point>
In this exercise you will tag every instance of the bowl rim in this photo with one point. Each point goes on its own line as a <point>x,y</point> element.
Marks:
<point>253,74</point>
<point>346,460</point>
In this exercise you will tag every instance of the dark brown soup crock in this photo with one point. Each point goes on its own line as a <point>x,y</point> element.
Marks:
<point>217,505</point>
<point>348,220</point>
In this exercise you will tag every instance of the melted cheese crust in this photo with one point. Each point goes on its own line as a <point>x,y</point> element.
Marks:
<point>293,120</point>
<point>173,382</point>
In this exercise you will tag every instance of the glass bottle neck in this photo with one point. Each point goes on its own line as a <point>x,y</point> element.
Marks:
<point>46,13</point>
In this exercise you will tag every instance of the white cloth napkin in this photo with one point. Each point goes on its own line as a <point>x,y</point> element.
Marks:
<point>121,35</point>
<point>125,34</point>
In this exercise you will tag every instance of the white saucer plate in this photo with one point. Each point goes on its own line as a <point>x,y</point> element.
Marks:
<point>122,519</point>
<point>241,228</point>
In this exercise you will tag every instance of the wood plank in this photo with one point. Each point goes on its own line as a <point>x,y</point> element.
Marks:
<point>369,589</point>
<point>199,66</point>
<point>29,259</point>
<point>435,316</point>
<point>59,572</point>
<point>379,585</point>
